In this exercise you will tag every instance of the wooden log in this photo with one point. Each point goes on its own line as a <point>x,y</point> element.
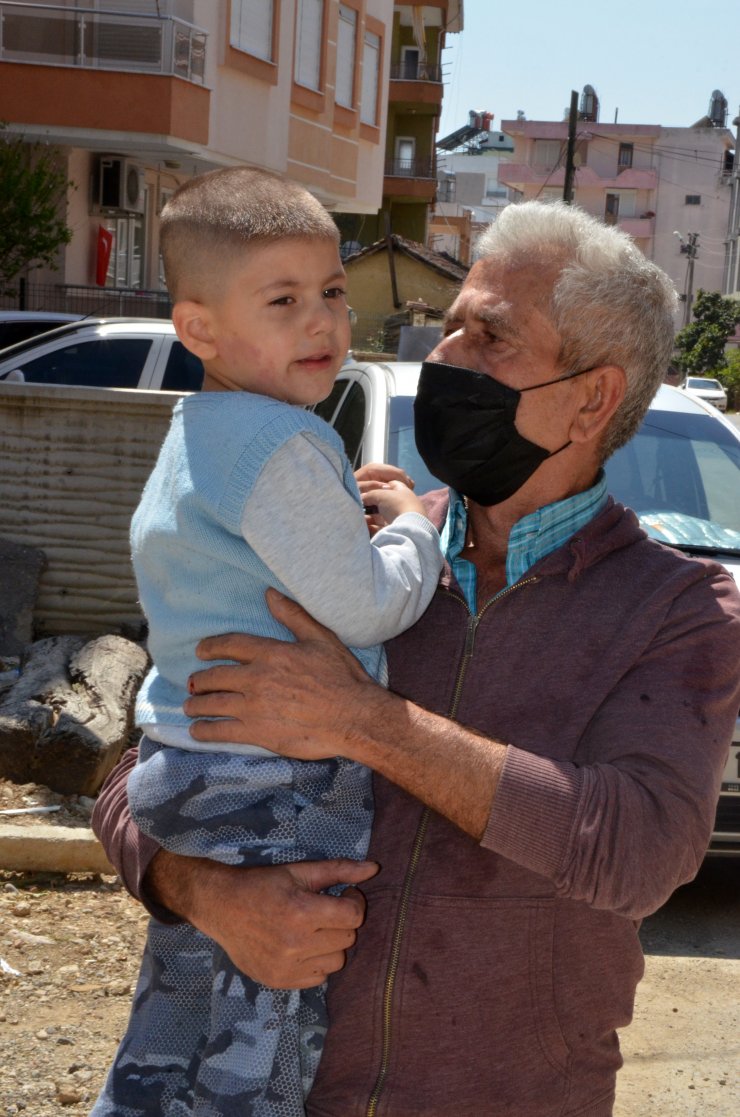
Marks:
<point>66,720</point>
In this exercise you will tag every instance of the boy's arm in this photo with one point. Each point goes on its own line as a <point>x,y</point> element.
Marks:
<point>311,532</point>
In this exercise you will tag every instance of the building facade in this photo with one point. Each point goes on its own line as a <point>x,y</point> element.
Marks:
<point>669,188</point>
<point>470,194</point>
<point>138,96</point>
<point>414,105</point>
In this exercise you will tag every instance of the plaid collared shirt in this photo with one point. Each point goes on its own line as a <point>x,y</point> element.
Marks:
<point>533,537</point>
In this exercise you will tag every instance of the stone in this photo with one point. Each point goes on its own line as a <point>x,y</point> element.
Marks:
<point>67,718</point>
<point>20,570</point>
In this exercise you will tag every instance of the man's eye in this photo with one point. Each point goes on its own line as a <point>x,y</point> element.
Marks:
<point>284,300</point>
<point>334,293</point>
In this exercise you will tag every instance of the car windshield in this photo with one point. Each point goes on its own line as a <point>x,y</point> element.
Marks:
<point>680,474</point>
<point>402,445</point>
<point>702,382</point>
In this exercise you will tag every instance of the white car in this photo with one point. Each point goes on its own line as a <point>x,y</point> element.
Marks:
<point>701,387</point>
<point>680,473</point>
<point>106,353</point>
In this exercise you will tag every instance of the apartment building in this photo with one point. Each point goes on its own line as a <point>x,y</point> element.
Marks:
<point>139,95</point>
<point>415,93</point>
<point>469,193</point>
<point>669,188</point>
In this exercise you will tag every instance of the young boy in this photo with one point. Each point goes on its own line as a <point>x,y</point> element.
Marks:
<point>250,490</point>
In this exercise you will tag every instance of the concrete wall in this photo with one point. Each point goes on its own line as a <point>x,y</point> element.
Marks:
<point>73,462</point>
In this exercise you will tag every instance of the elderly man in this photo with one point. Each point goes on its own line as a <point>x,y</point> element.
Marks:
<point>548,758</point>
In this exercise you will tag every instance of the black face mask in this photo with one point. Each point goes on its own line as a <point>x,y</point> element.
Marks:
<point>464,422</point>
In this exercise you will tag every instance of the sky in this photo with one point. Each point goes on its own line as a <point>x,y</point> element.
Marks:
<point>650,61</point>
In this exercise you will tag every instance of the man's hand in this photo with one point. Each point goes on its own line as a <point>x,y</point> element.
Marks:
<point>296,699</point>
<point>272,921</point>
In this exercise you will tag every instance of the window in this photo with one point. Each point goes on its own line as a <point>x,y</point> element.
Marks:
<point>405,155</point>
<point>693,199</point>
<point>344,92</point>
<point>410,59</point>
<point>309,33</point>
<point>370,78</point>
<point>93,364</point>
<point>548,154</point>
<point>619,204</point>
<point>251,27</point>
<point>184,371</point>
<point>624,159</point>
<point>125,267</point>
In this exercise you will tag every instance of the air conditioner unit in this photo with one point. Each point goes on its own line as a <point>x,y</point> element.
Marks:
<point>120,184</point>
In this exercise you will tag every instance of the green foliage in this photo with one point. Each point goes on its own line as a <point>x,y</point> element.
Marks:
<point>33,188</point>
<point>729,376</point>
<point>700,346</point>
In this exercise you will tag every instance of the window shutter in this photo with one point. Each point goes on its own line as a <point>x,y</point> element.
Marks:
<point>251,27</point>
<point>345,56</point>
<point>370,67</point>
<point>308,43</point>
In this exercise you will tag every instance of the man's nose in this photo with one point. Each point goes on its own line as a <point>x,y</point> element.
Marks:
<point>449,349</point>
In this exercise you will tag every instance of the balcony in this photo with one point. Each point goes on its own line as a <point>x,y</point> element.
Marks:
<point>53,35</point>
<point>411,70</point>
<point>410,168</point>
<point>415,84</point>
<point>410,179</point>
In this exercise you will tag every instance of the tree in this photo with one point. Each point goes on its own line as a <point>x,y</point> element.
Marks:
<point>33,189</point>
<point>701,345</point>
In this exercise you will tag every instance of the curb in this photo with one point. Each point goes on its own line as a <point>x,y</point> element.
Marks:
<point>56,849</point>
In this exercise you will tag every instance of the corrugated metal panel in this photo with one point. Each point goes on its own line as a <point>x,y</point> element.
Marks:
<point>73,462</point>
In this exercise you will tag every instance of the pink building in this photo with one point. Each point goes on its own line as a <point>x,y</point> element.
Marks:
<point>651,181</point>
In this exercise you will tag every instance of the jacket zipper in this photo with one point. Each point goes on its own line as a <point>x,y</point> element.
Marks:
<point>421,830</point>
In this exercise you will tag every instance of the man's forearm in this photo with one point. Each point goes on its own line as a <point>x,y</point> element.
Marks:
<point>450,768</point>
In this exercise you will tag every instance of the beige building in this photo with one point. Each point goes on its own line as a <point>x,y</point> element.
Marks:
<point>139,95</point>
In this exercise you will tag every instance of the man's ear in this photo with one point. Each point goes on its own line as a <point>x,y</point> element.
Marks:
<point>194,326</point>
<point>603,391</point>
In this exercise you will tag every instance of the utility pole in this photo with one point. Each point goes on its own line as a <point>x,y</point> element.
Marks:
<point>690,248</point>
<point>570,170</point>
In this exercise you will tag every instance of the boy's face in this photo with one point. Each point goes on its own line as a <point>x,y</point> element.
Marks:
<point>282,326</point>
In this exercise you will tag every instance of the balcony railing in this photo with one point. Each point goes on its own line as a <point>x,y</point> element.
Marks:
<point>95,40</point>
<point>410,168</point>
<point>415,71</point>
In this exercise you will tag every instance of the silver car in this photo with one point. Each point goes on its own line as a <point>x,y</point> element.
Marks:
<point>680,473</point>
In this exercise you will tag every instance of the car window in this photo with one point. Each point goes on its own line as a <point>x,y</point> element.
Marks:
<point>345,409</point>
<point>101,363</point>
<point>402,445</point>
<point>681,474</point>
<point>11,332</point>
<point>184,371</point>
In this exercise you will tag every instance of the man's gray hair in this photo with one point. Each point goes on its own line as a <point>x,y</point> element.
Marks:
<point>610,305</point>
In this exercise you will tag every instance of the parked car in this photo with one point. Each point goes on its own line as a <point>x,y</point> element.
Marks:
<point>680,473</point>
<point>106,353</point>
<point>701,387</point>
<point>17,325</point>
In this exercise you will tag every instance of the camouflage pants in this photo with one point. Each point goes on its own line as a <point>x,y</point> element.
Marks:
<point>203,1039</point>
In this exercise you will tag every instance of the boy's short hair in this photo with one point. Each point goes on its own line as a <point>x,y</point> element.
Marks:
<point>213,217</point>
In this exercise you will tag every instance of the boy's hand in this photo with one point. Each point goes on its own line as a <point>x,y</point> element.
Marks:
<point>387,500</point>
<point>382,472</point>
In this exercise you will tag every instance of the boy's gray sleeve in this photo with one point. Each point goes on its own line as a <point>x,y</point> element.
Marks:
<point>311,532</point>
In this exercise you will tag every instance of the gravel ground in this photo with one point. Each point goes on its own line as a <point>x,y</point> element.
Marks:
<point>75,944</point>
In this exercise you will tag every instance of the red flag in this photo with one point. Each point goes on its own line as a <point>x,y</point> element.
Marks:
<point>105,244</point>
